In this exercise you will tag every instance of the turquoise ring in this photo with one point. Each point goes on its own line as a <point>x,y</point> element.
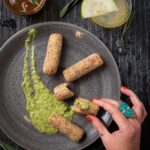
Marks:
<point>126,110</point>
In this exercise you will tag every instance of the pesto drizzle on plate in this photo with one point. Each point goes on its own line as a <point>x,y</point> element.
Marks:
<point>40,101</point>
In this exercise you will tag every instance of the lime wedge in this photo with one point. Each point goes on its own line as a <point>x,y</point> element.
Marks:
<point>93,8</point>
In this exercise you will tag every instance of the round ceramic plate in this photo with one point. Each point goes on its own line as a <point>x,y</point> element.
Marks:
<point>104,82</point>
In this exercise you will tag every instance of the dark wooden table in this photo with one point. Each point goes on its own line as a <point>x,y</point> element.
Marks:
<point>133,61</point>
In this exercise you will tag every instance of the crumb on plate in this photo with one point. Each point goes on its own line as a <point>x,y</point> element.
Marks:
<point>26,118</point>
<point>79,34</point>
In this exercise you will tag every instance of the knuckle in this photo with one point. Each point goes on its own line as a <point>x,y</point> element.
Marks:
<point>145,113</point>
<point>132,132</point>
<point>114,111</point>
<point>127,127</point>
<point>138,126</point>
<point>140,104</point>
<point>112,108</point>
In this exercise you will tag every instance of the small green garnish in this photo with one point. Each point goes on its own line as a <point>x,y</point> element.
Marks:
<point>67,8</point>
<point>72,108</point>
<point>32,33</point>
<point>127,25</point>
<point>84,105</point>
<point>5,146</point>
<point>33,1</point>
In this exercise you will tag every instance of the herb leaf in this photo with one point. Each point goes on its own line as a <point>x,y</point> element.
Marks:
<point>74,3</point>
<point>120,42</point>
<point>67,8</point>
<point>5,146</point>
<point>127,25</point>
<point>33,2</point>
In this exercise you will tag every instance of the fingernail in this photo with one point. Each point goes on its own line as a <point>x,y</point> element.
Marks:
<point>89,118</point>
<point>124,87</point>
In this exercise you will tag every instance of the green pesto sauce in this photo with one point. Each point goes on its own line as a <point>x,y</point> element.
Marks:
<point>83,105</point>
<point>40,101</point>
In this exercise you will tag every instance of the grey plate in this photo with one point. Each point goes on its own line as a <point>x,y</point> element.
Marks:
<point>103,82</point>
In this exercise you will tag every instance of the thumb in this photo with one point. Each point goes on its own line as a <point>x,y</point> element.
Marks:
<point>98,125</point>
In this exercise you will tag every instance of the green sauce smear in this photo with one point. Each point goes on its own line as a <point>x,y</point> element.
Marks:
<point>40,101</point>
<point>83,105</point>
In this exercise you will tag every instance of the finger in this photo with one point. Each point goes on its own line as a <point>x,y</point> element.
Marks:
<point>117,116</point>
<point>138,107</point>
<point>139,113</point>
<point>111,101</point>
<point>133,97</point>
<point>133,121</point>
<point>99,126</point>
<point>145,112</point>
<point>144,115</point>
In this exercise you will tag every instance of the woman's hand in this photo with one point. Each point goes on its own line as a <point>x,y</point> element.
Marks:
<point>128,135</point>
